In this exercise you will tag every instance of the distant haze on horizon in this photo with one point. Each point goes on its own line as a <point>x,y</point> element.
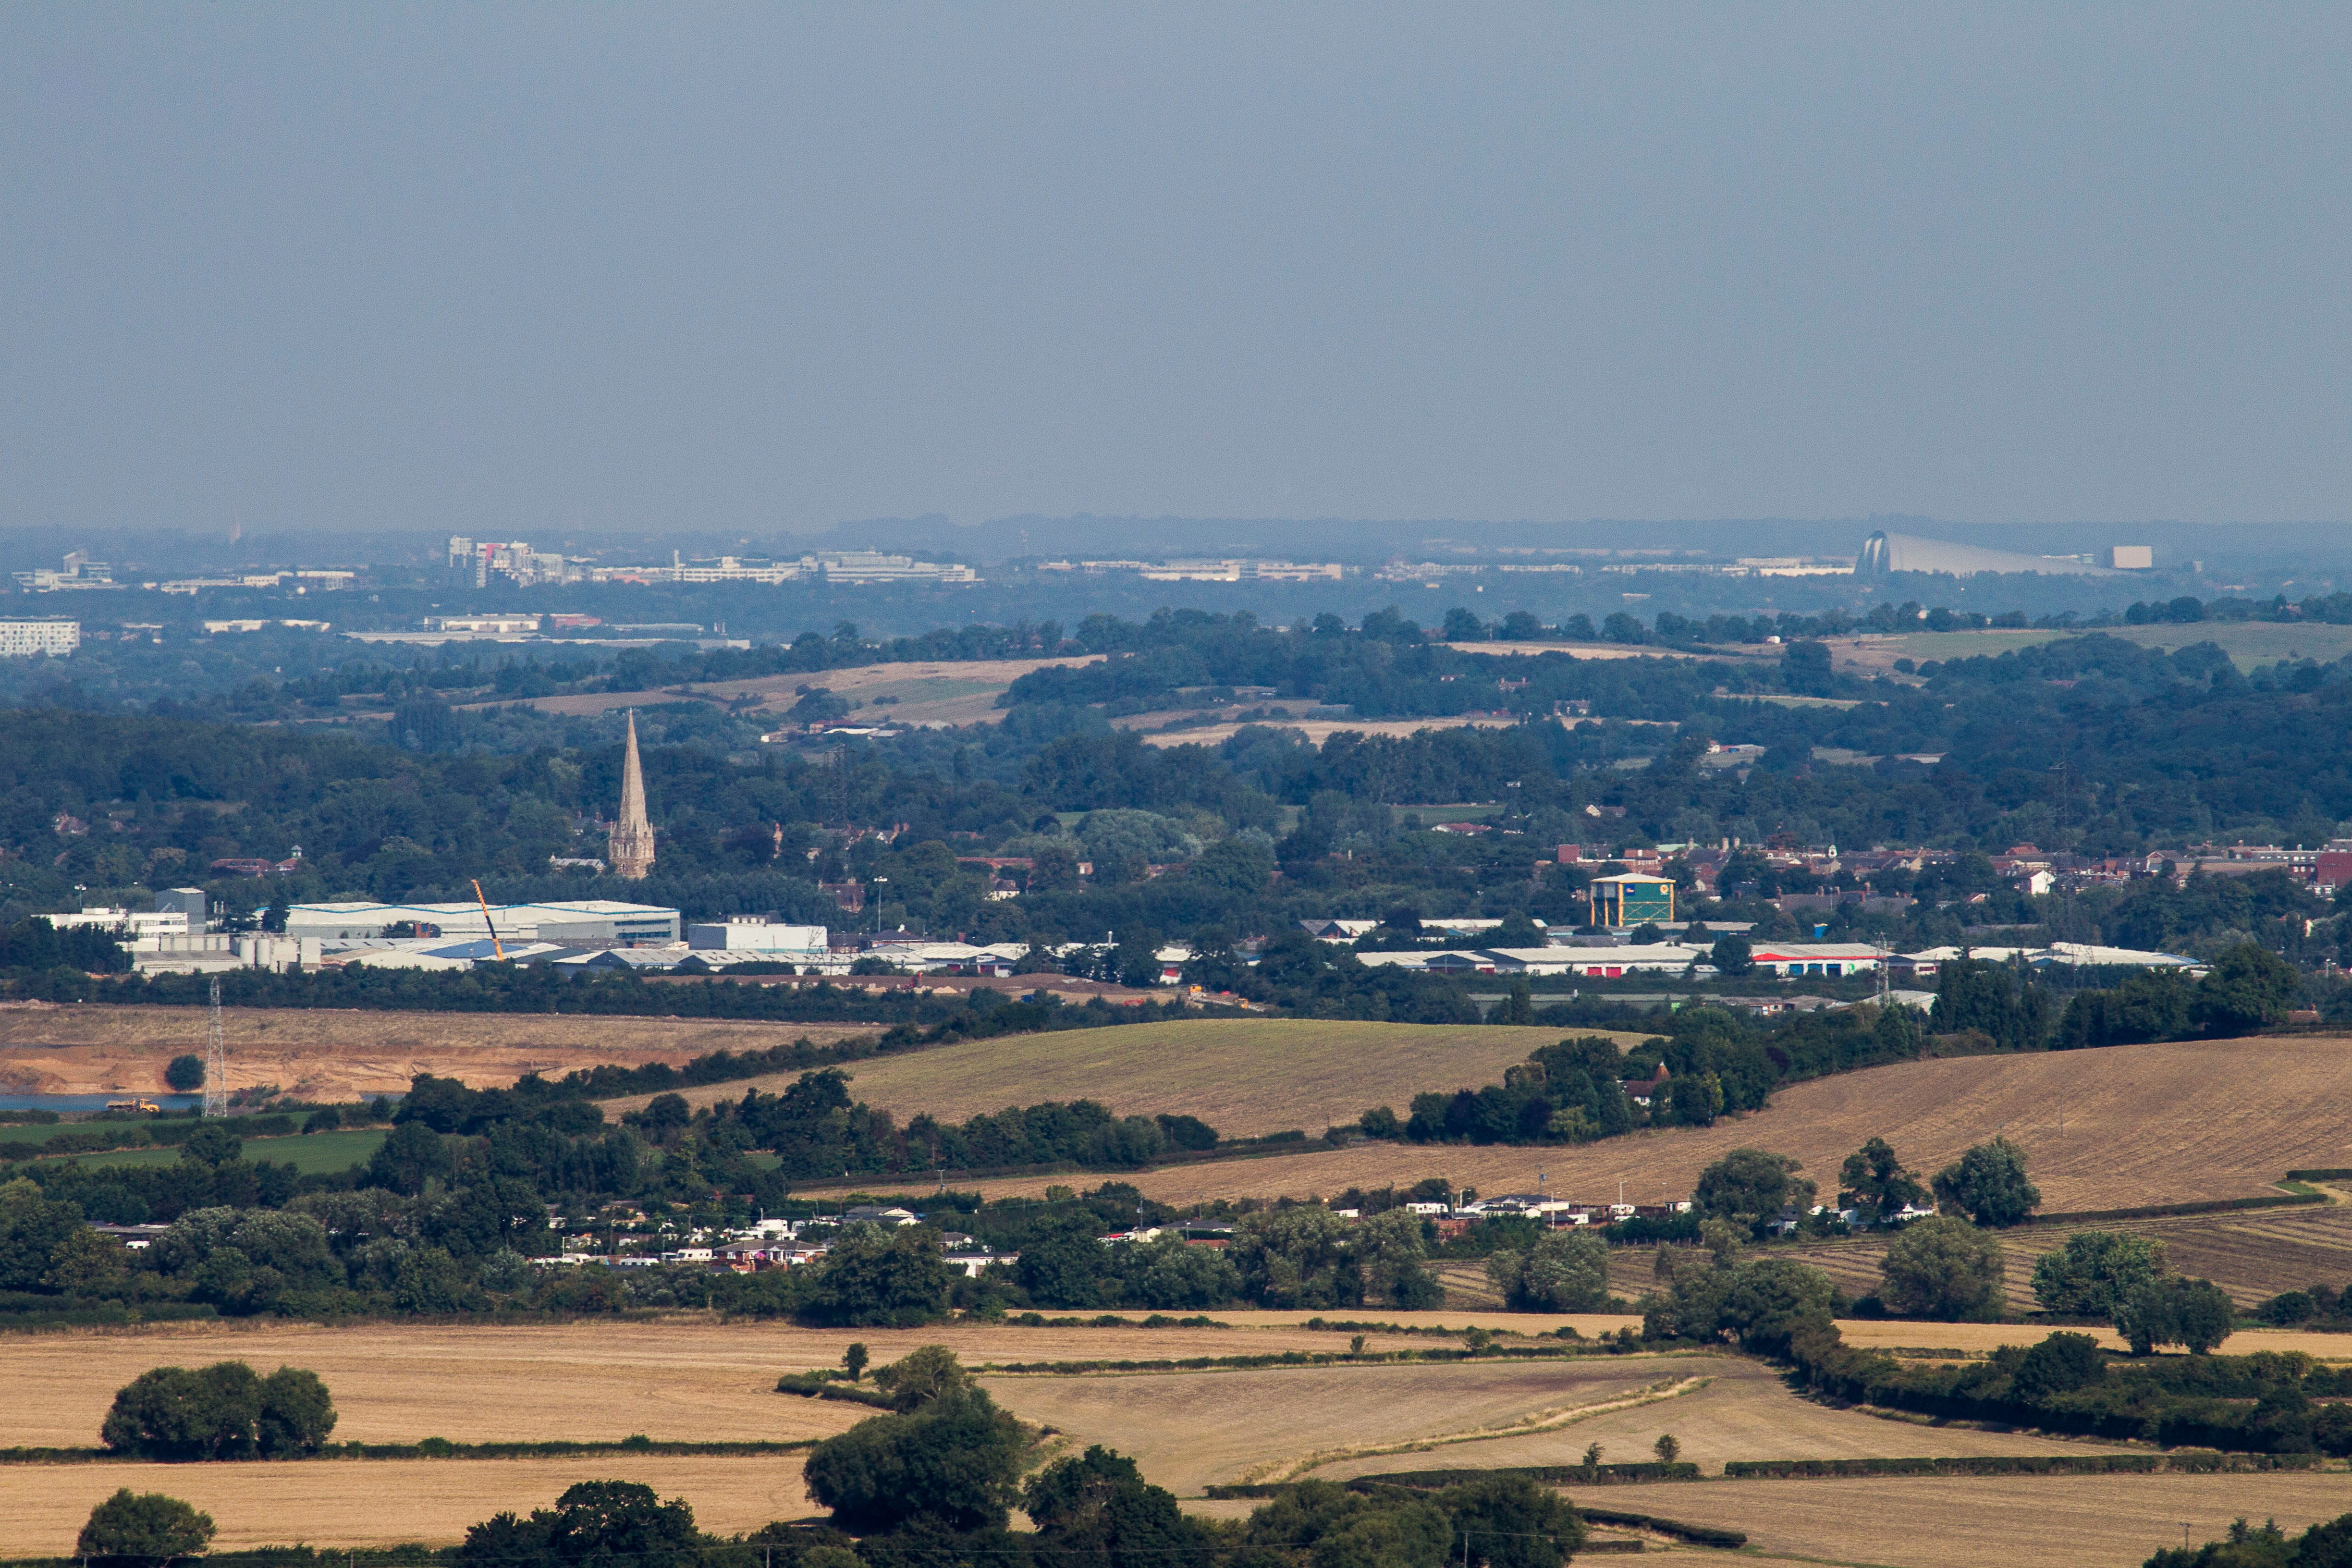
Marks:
<point>734,268</point>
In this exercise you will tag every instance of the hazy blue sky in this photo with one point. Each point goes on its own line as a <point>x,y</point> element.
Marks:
<point>514,269</point>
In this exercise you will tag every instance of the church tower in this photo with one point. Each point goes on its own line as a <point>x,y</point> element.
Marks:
<point>631,849</point>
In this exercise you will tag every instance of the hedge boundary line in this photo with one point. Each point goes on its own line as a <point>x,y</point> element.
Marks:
<point>2192,1462</point>
<point>1696,1535</point>
<point>819,1386</point>
<point>1422,1480</point>
<point>430,1449</point>
<point>2170,1211</point>
<point>1301,1358</point>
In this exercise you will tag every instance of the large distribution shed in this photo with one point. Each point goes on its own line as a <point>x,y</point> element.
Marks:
<point>1631,898</point>
<point>579,919</point>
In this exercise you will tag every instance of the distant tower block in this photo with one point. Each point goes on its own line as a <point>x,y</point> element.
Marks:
<point>631,848</point>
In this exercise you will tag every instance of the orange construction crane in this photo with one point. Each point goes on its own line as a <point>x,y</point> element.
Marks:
<point>495,946</point>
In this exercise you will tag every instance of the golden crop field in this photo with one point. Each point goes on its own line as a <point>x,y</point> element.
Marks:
<point>336,1053</point>
<point>1245,1076</point>
<point>2020,1521</point>
<point>381,1502</point>
<point>2253,1254</point>
<point>692,1379</point>
<point>2141,1125</point>
<point>927,692</point>
<point>1743,1411</point>
<point>1190,1429</point>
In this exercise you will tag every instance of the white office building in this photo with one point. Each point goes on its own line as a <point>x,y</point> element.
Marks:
<point>48,634</point>
<point>754,934</point>
<point>577,921</point>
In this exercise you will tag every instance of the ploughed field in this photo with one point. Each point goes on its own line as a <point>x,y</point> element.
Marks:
<point>1245,1076</point>
<point>347,1054</point>
<point>2141,1125</point>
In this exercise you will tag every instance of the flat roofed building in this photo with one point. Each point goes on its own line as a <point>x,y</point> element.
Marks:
<point>581,919</point>
<point>755,936</point>
<point>1631,898</point>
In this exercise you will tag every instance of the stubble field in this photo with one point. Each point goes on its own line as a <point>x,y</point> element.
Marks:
<point>697,1380</point>
<point>2126,1126</point>
<point>334,1054</point>
<point>1245,1076</point>
<point>930,692</point>
<point>2023,1521</point>
<point>2254,1254</point>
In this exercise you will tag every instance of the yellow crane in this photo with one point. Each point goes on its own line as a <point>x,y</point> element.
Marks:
<point>495,946</point>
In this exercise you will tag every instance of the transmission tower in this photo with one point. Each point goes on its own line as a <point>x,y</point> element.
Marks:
<point>215,1063</point>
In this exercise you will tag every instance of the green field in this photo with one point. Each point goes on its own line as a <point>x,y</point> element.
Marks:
<point>2248,643</point>
<point>12,1132</point>
<point>316,1153</point>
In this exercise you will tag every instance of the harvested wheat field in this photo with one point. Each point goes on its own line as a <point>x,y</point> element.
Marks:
<point>1743,1410</point>
<point>2022,1521</point>
<point>930,692</point>
<point>689,1380</point>
<point>2254,1254</point>
<point>1245,1076</point>
<point>2131,1137</point>
<point>336,1053</point>
<point>367,1503</point>
<point>1188,1430</point>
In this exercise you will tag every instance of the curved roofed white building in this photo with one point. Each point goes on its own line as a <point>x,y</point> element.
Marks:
<point>1883,553</point>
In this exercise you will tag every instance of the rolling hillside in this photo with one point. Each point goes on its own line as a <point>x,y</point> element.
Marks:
<point>2141,1124</point>
<point>1245,1076</point>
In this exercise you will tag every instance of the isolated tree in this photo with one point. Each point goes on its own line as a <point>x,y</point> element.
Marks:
<point>1989,1184</point>
<point>594,1524</point>
<point>875,1277</point>
<point>2059,1364</point>
<point>1944,1268</point>
<point>2092,1274</point>
<point>923,1375</point>
<point>144,1526</point>
<point>952,1463</point>
<point>1748,1186</point>
<point>1508,1522</point>
<point>185,1074</point>
<point>1667,1448</point>
<point>853,1360</point>
<point>1733,955</point>
<point>211,1144</point>
<point>1878,1181</point>
<point>2196,1314</point>
<point>2248,987</point>
<point>220,1411</point>
<point>1565,1271</point>
<point>297,1413</point>
<point>1097,1509</point>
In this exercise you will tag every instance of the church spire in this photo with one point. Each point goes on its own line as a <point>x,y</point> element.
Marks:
<point>631,848</point>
